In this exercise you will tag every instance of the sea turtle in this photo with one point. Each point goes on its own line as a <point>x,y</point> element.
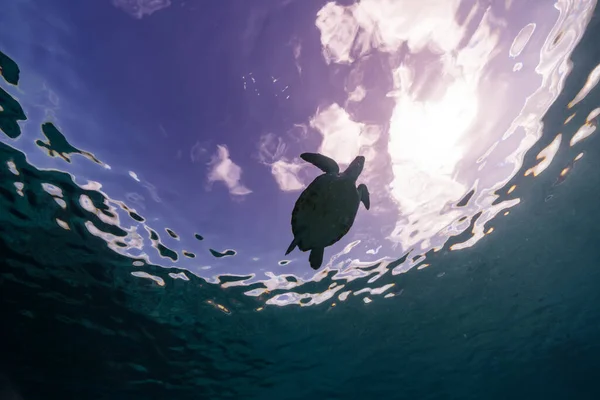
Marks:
<point>326,209</point>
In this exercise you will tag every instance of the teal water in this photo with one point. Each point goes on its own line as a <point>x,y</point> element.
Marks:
<point>517,315</point>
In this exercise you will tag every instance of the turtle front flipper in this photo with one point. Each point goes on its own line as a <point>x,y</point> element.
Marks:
<point>316,258</point>
<point>363,192</point>
<point>322,162</point>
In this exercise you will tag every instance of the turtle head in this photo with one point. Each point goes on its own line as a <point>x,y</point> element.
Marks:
<point>355,168</point>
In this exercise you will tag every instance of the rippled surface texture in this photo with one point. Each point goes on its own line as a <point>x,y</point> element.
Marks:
<point>149,164</point>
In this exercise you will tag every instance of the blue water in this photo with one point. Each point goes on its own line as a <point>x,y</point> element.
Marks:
<point>147,184</point>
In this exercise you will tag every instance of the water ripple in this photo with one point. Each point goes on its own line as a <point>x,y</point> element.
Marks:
<point>447,162</point>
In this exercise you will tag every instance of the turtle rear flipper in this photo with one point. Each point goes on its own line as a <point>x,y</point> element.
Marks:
<point>292,246</point>
<point>363,192</point>
<point>316,258</point>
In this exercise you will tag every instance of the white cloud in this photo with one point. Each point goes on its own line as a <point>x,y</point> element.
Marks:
<point>391,23</point>
<point>198,152</point>
<point>443,117</point>
<point>338,29</point>
<point>270,148</point>
<point>270,152</point>
<point>286,175</point>
<point>426,136</point>
<point>357,94</point>
<point>226,171</point>
<point>139,8</point>
<point>348,32</point>
<point>343,137</point>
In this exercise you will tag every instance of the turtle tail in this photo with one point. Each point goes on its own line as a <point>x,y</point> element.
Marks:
<point>292,247</point>
<point>316,258</point>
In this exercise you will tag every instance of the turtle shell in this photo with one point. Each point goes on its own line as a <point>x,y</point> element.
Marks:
<point>325,211</point>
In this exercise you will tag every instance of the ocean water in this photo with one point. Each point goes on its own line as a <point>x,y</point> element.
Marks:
<point>149,165</point>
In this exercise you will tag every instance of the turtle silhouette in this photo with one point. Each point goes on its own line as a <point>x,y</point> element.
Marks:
<point>326,209</point>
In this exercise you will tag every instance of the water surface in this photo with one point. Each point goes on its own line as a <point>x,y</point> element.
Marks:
<point>150,165</point>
